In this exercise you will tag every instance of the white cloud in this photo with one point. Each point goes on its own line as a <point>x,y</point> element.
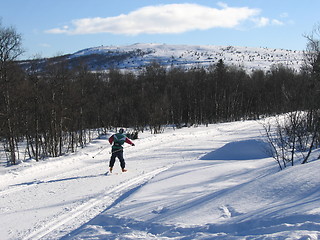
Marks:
<point>277,22</point>
<point>263,21</point>
<point>169,18</point>
<point>64,29</point>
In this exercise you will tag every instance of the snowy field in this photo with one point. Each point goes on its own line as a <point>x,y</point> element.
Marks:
<point>215,182</point>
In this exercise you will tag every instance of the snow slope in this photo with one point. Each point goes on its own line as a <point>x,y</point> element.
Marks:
<point>137,56</point>
<point>215,182</point>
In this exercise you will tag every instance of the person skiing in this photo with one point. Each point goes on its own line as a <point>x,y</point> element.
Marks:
<point>118,140</point>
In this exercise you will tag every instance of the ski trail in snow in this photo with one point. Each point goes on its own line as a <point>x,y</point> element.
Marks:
<point>106,198</point>
<point>24,185</point>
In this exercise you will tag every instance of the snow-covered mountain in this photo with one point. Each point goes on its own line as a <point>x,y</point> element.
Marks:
<point>137,56</point>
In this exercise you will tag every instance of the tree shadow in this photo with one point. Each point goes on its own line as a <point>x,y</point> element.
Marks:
<point>56,180</point>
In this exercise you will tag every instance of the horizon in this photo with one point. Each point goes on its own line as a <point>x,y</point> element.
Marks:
<point>76,25</point>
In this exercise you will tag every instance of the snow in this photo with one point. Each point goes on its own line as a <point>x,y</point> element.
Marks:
<point>215,182</point>
<point>189,56</point>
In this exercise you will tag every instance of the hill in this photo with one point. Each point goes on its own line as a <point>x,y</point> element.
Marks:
<point>137,56</point>
<point>182,184</point>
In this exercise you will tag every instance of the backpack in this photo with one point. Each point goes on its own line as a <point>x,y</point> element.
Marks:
<point>119,139</point>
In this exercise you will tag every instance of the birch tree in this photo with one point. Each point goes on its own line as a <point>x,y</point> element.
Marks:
<point>10,50</point>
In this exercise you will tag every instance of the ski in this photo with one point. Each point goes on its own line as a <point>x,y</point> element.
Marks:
<point>114,173</point>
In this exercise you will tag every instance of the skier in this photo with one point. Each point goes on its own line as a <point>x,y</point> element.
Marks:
<point>118,140</point>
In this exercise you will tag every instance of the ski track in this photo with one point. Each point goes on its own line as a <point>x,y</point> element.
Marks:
<point>106,199</point>
<point>21,185</point>
<point>25,185</point>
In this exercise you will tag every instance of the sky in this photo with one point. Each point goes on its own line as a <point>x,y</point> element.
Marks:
<point>55,27</point>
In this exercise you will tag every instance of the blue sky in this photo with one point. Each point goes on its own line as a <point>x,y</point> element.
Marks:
<point>54,27</point>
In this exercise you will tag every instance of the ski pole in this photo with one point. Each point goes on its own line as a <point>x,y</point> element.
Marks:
<point>99,152</point>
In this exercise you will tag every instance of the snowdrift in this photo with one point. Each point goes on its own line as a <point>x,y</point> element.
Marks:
<point>241,150</point>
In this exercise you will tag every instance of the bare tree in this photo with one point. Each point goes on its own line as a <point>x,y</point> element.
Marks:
<point>312,53</point>
<point>10,49</point>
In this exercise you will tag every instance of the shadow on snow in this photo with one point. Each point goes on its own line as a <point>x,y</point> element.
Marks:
<point>241,150</point>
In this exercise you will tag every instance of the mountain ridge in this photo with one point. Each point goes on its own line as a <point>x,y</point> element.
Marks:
<point>139,55</point>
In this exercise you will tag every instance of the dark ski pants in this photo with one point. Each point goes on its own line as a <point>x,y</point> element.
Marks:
<point>119,155</point>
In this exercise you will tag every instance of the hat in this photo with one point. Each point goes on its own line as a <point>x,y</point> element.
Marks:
<point>121,130</point>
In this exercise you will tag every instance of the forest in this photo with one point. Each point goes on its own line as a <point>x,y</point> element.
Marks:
<point>56,109</point>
